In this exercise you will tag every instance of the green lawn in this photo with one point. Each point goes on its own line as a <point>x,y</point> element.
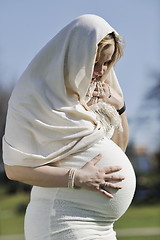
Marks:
<point>11,220</point>
<point>140,238</point>
<point>12,213</point>
<point>140,216</point>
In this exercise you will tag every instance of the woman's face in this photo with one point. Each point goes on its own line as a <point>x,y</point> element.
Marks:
<point>105,59</point>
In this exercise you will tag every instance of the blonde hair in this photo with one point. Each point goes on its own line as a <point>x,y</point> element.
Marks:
<point>108,41</point>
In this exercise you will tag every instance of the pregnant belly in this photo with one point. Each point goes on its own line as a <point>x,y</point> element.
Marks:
<point>111,155</point>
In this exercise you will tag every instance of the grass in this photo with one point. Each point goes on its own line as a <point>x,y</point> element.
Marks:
<point>140,238</point>
<point>12,216</point>
<point>12,213</point>
<point>140,216</point>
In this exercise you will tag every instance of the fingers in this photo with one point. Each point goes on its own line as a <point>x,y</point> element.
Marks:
<point>106,193</point>
<point>96,159</point>
<point>105,89</point>
<point>104,188</point>
<point>112,169</point>
<point>114,177</point>
<point>111,185</point>
<point>97,94</point>
<point>99,179</point>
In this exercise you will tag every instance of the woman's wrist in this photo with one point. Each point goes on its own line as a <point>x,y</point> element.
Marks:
<point>77,179</point>
<point>73,178</point>
<point>122,109</point>
<point>119,105</point>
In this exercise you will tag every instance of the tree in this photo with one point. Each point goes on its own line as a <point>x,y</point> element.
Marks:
<point>152,101</point>
<point>5,93</point>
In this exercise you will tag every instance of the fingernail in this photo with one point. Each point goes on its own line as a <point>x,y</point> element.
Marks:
<point>122,178</point>
<point>111,196</point>
<point>99,155</point>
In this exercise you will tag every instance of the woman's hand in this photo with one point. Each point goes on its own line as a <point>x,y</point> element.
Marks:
<point>95,178</point>
<point>109,96</point>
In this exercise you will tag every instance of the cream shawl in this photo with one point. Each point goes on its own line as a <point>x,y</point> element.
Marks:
<point>47,116</point>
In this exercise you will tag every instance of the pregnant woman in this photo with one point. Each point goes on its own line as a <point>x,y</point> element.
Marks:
<point>66,133</point>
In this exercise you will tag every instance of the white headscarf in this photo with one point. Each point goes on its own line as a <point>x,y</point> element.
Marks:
<point>47,118</point>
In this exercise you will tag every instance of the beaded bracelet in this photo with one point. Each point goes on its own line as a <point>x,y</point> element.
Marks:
<point>71,177</point>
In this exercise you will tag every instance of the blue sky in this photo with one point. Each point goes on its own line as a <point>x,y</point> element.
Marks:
<point>27,25</point>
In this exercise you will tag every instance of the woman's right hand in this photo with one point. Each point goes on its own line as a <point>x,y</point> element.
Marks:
<point>95,178</point>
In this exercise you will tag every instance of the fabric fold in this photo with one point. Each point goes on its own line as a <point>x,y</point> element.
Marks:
<point>48,118</point>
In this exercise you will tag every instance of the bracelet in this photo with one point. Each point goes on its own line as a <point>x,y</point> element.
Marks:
<point>71,177</point>
<point>122,110</point>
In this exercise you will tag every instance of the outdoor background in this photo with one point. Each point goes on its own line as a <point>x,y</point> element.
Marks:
<point>25,27</point>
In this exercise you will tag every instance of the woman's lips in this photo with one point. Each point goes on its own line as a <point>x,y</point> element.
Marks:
<point>95,78</point>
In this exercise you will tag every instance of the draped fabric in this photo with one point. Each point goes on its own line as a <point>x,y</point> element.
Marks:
<point>48,118</point>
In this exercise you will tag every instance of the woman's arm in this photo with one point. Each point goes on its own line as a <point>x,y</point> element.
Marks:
<point>43,176</point>
<point>113,98</point>
<point>88,177</point>
<point>121,138</point>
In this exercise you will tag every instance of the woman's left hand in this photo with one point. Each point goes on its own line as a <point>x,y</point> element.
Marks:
<point>109,96</point>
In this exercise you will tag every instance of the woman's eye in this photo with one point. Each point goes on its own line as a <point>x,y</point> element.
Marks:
<point>106,63</point>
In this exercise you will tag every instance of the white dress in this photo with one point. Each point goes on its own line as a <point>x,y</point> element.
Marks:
<point>62,213</point>
<point>48,120</point>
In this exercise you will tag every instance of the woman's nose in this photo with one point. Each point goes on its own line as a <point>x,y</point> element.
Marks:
<point>99,71</point>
